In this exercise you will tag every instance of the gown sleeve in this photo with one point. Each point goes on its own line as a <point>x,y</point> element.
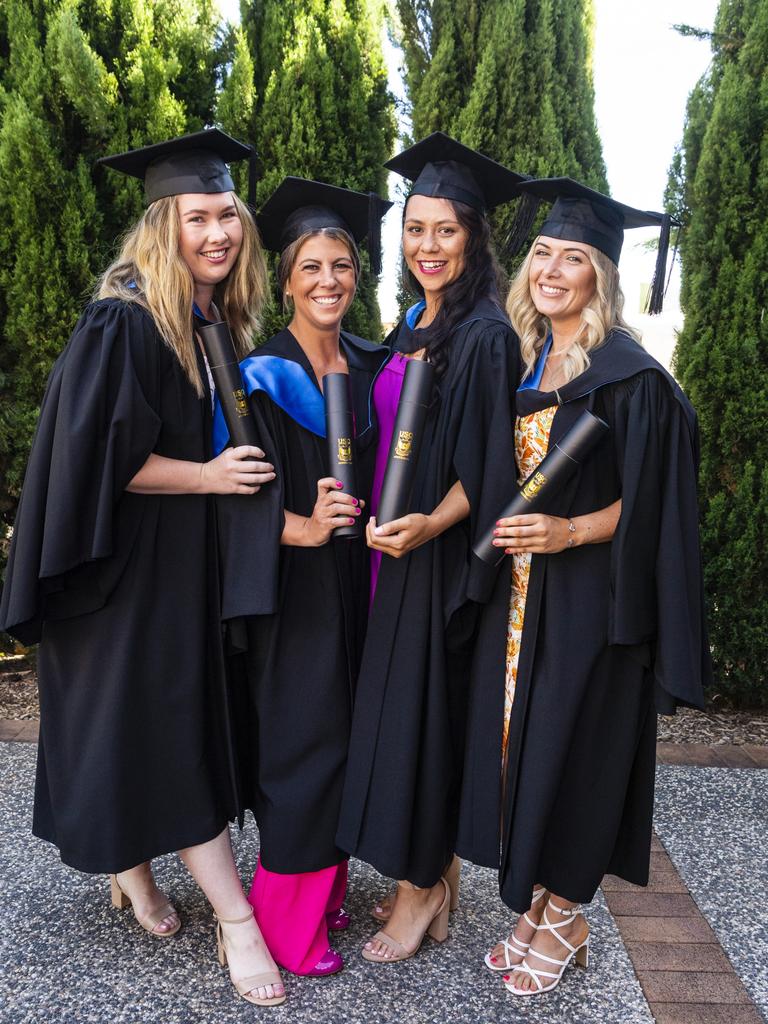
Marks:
<point>484,455</point>
<point>98,425</point>
<point>656,572</point>
<point>249,528</point>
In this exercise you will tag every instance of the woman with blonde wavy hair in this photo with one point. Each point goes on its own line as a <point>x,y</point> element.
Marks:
<point>112,566</point>
<point>596,623</point>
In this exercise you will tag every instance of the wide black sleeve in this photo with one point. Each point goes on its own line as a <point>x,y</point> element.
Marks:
<point>98,425</point>
<point>656,573</point>
<point>249,527</point>
<point>484,453</point>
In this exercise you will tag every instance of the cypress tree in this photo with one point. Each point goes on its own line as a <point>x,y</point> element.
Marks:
<point>80,78</point>
<point>719,187</point>
<point>319,106</point>
<point>511,78</point>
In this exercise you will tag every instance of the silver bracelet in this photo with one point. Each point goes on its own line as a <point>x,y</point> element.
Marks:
<point>571,530</point>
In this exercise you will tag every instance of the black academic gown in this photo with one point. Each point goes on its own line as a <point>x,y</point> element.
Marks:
<point>401,791</point>
<point>296,618</point>
<point>120,590</point>
<point>611,632</point>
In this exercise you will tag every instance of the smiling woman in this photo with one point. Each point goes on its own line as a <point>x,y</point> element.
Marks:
<point>597,622</point>
<point>113,566</point>
<point>210,238</point>
<point>296,598</point>
<point>401,790</point>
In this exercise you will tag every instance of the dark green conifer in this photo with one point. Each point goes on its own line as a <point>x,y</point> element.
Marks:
<point>719,186</point>
<point>511,78</point>
<point>320,106</point>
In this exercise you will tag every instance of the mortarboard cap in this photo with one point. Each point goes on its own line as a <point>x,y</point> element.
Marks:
<point>443,168</point>
<point>580,214</point>
<point>190,163</point>
<point>299,205</point>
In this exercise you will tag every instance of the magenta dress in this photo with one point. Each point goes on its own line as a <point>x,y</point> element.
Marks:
<point>386,395</point>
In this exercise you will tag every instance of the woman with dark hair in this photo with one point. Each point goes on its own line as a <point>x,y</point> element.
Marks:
<point>295,596</point>
<point>401,788</point>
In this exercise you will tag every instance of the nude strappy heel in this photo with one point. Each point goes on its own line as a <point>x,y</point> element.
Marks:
<point>512,945</point>
<point>121,900</point>
<point>245,986</point>
<point>580,952</point>
<point>383,911</point>
<point>437,930</point>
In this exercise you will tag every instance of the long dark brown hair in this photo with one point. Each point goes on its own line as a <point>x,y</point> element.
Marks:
<point>481,278</point>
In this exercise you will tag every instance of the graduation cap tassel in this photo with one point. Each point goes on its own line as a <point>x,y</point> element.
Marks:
<point>659,285</point>
<point>527,208</point>
<point>374,232</point>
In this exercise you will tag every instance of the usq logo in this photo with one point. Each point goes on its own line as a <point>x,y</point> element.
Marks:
<point>533,486</point>
<point>241,403</point>
<point>344,450</point>
<point>403,447</point>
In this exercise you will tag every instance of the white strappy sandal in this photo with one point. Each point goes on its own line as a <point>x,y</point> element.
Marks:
<point>580,952</point>
<point>512,945</point>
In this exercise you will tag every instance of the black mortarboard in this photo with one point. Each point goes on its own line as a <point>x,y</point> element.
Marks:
<point>299,205</point>
<point>580,214</point>
<point>190,163</point>
<point>443,168</point>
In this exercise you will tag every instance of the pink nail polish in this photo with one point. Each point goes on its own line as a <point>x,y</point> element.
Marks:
<point>495,533</point>
<point>355,501</point>
<point>339,483</point>
<point>351,522</point>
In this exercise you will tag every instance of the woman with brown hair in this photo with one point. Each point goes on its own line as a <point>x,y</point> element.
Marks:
<point>113,566</point>
<point>295,597</point>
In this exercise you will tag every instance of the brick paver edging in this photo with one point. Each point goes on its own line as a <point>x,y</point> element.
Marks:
<point>18,730</point>
<point>724,755</point>
<point>682,968</point>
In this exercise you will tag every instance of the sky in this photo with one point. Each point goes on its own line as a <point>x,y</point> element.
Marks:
<point>643,73</point>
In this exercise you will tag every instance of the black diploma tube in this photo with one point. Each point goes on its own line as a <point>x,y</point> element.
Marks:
<point>228,381</point>
<point>340,432</point>
<point>407,435</point>
<point>554,469</point>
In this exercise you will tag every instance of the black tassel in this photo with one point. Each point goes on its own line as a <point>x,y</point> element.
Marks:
<point>660,281</point>
<point>254,174</point>
<point>525,215</point>
<point>374,232</point>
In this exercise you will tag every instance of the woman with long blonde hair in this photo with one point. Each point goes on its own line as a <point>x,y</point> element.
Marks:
<point>597,622</point>
<point>112,567</point>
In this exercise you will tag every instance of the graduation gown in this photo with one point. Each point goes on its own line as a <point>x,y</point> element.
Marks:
<point>134,758</point>
<point>611,633</point>
<point>401,794</point>
<point>296,616</point>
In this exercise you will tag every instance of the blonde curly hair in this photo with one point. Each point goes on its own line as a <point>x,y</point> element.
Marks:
<point>151,271</point>
<point>602,313</point>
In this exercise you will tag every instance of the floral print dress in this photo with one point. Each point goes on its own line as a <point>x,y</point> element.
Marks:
<point>531,443</point>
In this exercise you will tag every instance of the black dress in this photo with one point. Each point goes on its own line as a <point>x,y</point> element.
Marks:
<point>611,633</point>
<point>120,589</point>
<point>296,616</point>
<point>401,792</point>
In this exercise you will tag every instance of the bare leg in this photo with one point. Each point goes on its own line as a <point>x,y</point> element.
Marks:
<point>139,886</point>
<point>213,868</point>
